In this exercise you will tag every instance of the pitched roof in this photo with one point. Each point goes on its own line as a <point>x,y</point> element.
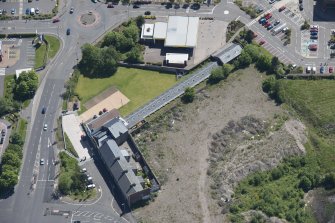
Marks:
<point>116,127</point>
<point>228,52</point>
<point>120,168</point>
<point>103,119</point>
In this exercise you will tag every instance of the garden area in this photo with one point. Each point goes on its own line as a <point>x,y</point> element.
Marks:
<point>140,86</point>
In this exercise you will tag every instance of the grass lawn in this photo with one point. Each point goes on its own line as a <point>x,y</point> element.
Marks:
<point>140,86</point>
<point>8,85</point>
<point>69,146</point>
<point>53,48</point>
<point>22,128</point>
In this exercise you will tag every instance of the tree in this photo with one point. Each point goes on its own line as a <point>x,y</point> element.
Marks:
<point>249,36</point>
<point>227,69</point>
<point>64,184</point>
<point>139,21</point>
<point>26,85</point>
<point>132,32</point>
<point>6,106</point>
<point>135,55</point>
<point>17,149</point>
<point>305,184</point>
<point>216,75</point>
<point>306,25</point>
<point>16,138</point>
<point>329,181</point>
<point>11,158</point>
<point>8,179</point>
<point>253,51</point>
<point>244,60</point>
<point>78,182</point>
<point>263,63</point>
<point>188,96</point>
<point>275,62</point>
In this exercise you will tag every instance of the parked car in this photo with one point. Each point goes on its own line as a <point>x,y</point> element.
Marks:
<point>147,13</point>
<point>37,11</point>
<point>27,11</point>
<point>267,25</point>
<point>0,11</point>
<point>136,6</point>
<point>313,47</point>
<point>331,69</point>
<point>282,8</point>
<point>268,16</point>
<point>261,42</point>
<point>276,22</point>
<point>272,1</point>
<point>314,33</point>
<point>322,70</point>
<point>44,109</point>
<point>3,132</point>
<point>42,161</point>
<point>270,27</point>
<point>71,10</point>
<point>2,139</point>
<point>68,31</point>
<point>314,37</point>
<point>259,10</point>
<point>110,5</point>
<point>13,11</point>
<point>314,27</point>
<point>91,186</point>
<point>55,20</point>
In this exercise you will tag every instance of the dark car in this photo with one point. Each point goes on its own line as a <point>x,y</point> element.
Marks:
<point>27,11</point>
<point>55,20</point>
<point>1,140</point>
<point>136,6</point>
<point>301,7</point>
<point>147,13</point>
<point>195,6</point>
<point>3,132</point>
<point>44,109</point>
<point>110,5</point>
<point>68,31</point>
<point>314,33</point>
<point>300,1</point>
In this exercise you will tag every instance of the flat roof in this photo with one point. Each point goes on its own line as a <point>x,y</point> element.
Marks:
<point>176,58</point>
<point>182,31</point>
<point>147,31</point>
<point>160,30</point>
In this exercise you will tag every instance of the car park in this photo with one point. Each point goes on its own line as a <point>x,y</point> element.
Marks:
<point>331,69</point>
<point>282,8</point>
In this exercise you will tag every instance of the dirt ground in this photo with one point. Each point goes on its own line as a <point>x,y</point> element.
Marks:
<point>176,146</point>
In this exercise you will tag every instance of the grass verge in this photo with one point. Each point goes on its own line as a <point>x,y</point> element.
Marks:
<point>69,146</point>
<point>140,86</point>
<point>22,128</point>
<point>51,50</point>
<point>54,45</point>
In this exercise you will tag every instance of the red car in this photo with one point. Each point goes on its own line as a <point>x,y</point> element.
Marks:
<point>331,69</point>
<point>282,8</point>
<point>261,42</point>
<point>313,47</point>
<point>55,20</point>
<point>268,16</point>
<point>267,25</point>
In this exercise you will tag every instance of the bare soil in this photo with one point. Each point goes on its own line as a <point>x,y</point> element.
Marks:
<point>177,144</point>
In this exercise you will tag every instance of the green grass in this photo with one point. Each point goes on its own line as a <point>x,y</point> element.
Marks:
<point>40,55</point>
<point>22,128</point>
<point>40,52</point>
<point>54,45</point>
<point>313,99</point>
<point>140,86</point>
<point>8,85</point>
<point>84,195</point>
<point>69,146</point>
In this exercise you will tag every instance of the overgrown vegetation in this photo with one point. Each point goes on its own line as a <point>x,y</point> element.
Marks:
<point>280,191</point>
<point>232,28</point>
<point>119,45</point>
<point>71,180</point>
<point>69,146</point>
<point>189,95</point>
<point>306,25</point>
<point>250,10</point>
<point>71,85</point>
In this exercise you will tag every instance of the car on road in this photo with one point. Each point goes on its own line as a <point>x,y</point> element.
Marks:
<point>301,7</point>
<point>110,5</point>
<point>42,161</point>
<point>13,11</point>
<point>55,20</point>
<point>68,31</point>
<point>71,10</point>
<point>276,22</point>
<point>261,42</point>
<point>331,69</point>
<point>322,70</point>
<point>44,109</point>
<point>45,127</point>
<point>282,8</point>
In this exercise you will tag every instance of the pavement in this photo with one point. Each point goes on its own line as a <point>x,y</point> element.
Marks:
<point>71,126</point>
<point>4,125</point>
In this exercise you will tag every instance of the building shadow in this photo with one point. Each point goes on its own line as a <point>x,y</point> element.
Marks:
<point>324,10</point>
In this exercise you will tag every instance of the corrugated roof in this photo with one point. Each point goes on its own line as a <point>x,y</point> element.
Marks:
<point>160,30</point>
<point>228,52</point>
<point>182,31</point>
<point>119,168</point>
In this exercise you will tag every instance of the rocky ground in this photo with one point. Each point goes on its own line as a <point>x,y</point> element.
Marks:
<point>182,143</point>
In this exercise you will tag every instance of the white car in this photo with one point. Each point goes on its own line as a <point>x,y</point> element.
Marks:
<point>0,11</point>
<point>91,186</point>
<point>42,162</point>
<point>45,127</point>
<point>37,11</point>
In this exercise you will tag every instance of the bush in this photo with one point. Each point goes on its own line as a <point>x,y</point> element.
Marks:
<point>21,35</point>
<point>305,184</point>
<point>189,95</point>
<point>329,181</point>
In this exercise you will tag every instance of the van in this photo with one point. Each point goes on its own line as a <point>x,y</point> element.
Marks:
<point>32,11</point>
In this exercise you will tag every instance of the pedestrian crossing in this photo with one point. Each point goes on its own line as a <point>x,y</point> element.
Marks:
<point>8,39</point>
<point>2,71</point>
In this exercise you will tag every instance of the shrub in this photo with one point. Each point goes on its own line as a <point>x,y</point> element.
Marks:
<point>189,95</point>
